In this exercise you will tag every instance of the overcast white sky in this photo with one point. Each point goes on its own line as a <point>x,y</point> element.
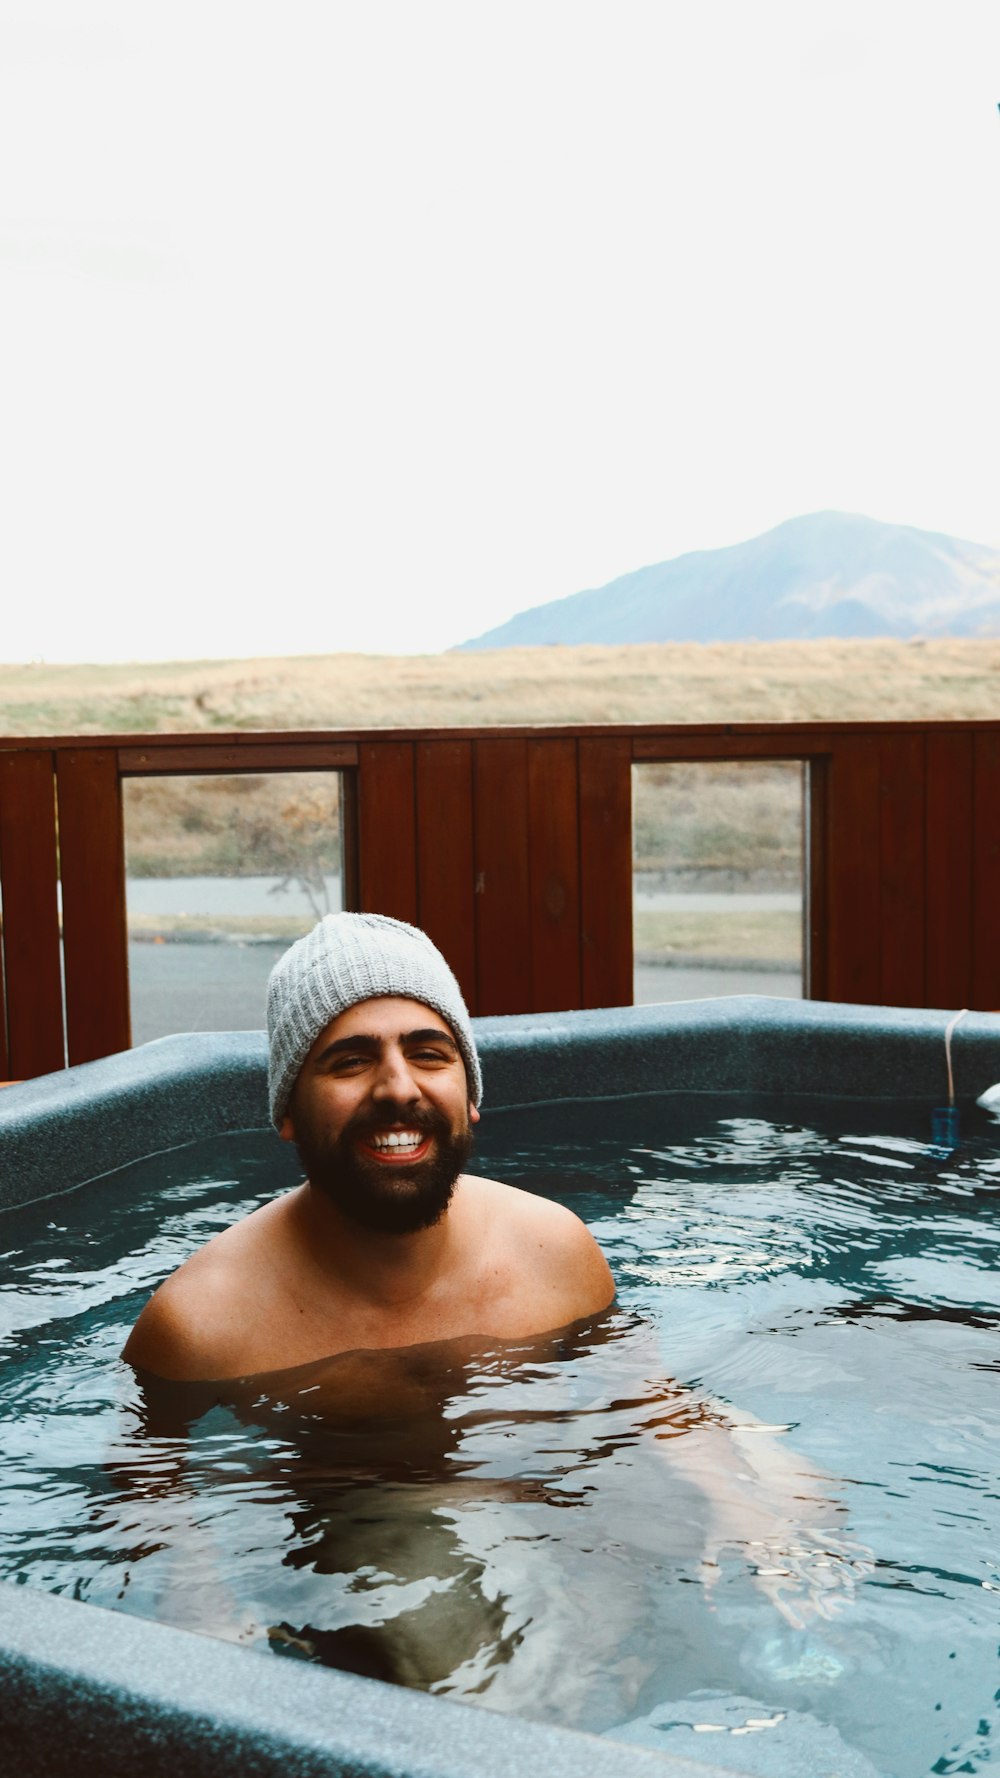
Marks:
<point>333,325</point>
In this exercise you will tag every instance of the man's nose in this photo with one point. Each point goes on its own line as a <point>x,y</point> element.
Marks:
<point>394,1080</point>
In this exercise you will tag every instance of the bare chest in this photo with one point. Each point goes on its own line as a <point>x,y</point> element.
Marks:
<point>298,1321</point>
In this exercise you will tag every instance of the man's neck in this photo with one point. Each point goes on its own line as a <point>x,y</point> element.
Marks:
<point>389,1271</point>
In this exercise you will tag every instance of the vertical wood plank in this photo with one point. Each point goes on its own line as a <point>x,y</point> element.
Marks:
<point>949,827</point>
<point>92,868</point>
<point>387,832</point>
<point>815,876</point>
<point>502,881</point>
<point>901,859</point>
<point>853,951</point>
<point>554,844</point>
<point>350,893</point>
<point>32,965</point>
<point>985,995</point>
<point>4,1060</point>
<point>606,871</point>
<point>445,855</point>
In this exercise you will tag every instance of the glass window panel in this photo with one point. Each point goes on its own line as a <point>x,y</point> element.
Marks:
<point>718,879</point>
<point>221,875</point>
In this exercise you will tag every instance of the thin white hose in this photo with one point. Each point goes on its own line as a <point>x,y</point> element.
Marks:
<point>949,1028</point>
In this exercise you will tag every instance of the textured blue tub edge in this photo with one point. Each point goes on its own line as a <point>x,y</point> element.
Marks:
<point>66,1128</point>
<point>86,1691</point>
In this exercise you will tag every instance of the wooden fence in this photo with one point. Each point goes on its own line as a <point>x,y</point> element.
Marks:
<point>512,847</point>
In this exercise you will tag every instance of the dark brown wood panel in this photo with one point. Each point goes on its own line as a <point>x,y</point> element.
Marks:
<point>154,761</point>
<point>349,889</point>
<point>445,855</point>
<point>985,995</point>
<point>387,830</point>
<point>949,829</point>
<point>794,737</point>
<point>815,834</point>
<point>554,853</point>
<point>901,854</point>
<point>4,1063</point>
<point>649,740</point>
<point>502,881</point>
<point>92,866</point>
<point>790,743</point>
<point>606,872</point>
<point>32,965</point>
<point>853,951</point>
<point>905,856</point>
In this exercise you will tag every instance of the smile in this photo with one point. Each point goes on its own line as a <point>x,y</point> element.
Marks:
<point>397,1144</point>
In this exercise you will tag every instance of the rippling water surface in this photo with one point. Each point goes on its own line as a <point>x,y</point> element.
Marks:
<point>752,1514</point>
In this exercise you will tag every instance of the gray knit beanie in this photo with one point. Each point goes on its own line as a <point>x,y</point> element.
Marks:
<point>345,959</point>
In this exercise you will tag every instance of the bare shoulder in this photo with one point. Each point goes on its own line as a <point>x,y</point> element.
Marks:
<point>194,1327</point>
<point>553,1253</point>
<point>531,1213</point>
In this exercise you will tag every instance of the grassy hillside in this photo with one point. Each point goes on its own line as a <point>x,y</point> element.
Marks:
<point>695,826</point>
<point>667,682</point>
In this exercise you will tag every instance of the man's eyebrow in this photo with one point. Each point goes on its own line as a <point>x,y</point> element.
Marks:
<point>432,1034</point>
<point>360,1042</point>
<point>371,1044</point>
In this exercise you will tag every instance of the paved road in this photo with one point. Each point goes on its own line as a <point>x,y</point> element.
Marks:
<point>182,987</point>
<point>220,987</point>
<point>222,895</point>
<point>717,901</point>
<point>654,982</point>
<point>267,895</point>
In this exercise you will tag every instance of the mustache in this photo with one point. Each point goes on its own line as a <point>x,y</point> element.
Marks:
<point>389,1114</point>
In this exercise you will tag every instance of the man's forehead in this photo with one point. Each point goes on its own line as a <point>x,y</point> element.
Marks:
<point>383,1017</point>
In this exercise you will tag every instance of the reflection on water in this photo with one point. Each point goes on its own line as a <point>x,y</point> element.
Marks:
<point>439,1516</point>
<point>791,1547</point>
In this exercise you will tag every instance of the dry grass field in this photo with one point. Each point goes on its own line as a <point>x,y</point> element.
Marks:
<point>666,682</point>
<point>695,826</point>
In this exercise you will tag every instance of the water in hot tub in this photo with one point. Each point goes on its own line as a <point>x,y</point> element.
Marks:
<point>751,1514</point>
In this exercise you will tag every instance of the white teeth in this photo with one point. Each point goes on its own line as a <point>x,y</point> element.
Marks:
<point>396,1139</point>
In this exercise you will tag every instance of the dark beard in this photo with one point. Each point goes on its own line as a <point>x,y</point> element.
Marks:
<point>375,1195</point>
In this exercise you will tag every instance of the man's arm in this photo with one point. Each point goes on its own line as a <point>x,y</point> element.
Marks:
<point>768,1505</point>
<point>184,1334</point>
<point>562,1275</point>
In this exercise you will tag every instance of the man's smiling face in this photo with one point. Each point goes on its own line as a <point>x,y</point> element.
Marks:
<point>381,1116</point>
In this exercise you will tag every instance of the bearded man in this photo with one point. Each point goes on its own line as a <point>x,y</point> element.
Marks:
<point>368,1301</point>
<point>388,1243</point>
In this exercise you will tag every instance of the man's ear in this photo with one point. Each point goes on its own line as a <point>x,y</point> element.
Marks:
<point>473,1113</point>
<point>286,1131</point>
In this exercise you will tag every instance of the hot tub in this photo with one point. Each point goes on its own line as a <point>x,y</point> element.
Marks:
<point>85,1690</point>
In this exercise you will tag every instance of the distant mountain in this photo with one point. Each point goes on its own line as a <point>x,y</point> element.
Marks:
<point>826,574</point>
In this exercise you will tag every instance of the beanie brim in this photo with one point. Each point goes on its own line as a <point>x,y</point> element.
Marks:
<point>344,960</point>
